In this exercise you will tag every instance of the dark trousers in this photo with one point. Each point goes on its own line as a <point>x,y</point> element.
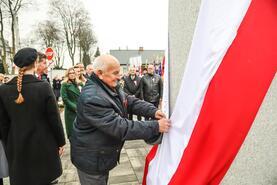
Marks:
<point>57,94</point>
<point>88,179</point>
<point>1,181</point>
<point>156,104</point>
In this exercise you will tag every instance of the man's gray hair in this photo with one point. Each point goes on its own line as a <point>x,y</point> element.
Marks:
<point>98,64</point>
<point>102,62</point>
<point>90,65</point>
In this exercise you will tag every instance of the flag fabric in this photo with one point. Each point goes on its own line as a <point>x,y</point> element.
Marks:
<point>231,64</point>
<point>162,66</point>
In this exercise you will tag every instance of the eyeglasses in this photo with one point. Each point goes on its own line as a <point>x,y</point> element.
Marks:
<point>71,73</point>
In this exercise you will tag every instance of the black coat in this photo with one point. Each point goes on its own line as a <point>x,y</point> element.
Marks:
<point>57,84</point>
<point>32,132</point>
<point>132,86</point>
<point>151,88</point>
<point>102,126</point>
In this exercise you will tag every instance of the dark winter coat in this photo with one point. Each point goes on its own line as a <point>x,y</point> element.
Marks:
<point>70,93</point>
<point>32,132</point>
<point>57,84</point>
<point>151,88</point>
<point>102,126</point>
<point>132,86</point>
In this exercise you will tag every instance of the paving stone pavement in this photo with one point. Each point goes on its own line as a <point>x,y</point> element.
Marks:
<point>128,172</point>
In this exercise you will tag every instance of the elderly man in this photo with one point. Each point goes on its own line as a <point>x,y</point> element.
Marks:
<point>89,70</point>
<point>132,86</point>
<point>101,126</point>
<point>151,87</point>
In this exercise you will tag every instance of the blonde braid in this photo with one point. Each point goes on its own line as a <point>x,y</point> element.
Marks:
<point>20,98</point>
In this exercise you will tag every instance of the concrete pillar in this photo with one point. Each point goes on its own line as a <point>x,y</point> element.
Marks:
<point>256,163</point>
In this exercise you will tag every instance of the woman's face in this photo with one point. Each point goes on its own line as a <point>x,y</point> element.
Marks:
<point>77,71</point>
<point>71,75</point>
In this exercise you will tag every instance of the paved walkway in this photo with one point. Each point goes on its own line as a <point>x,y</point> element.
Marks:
<point>128,172</point>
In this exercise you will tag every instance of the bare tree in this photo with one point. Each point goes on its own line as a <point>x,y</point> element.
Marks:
<point>97,53</point>
<point>4,56</point>
<point>71,14</point>
<point>51,36</point>
<point>13,7</point>
<point>59,48</point>
<point>86,41</point>
<point>49,33</point>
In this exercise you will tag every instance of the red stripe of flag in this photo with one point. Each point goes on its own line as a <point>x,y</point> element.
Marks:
<point>232,99</point>
<point>149,158</point>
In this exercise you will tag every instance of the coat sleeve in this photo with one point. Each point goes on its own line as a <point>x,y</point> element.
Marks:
<point>140,107</point>
<point>137,94</point>
<point>69,104</point>
<point>126,88</point>
<point>141,88</point>
<point>53,116</point>
<point>108,121</point>
<point>4,123</point>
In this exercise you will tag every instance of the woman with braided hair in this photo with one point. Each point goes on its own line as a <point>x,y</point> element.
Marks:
<point>30,125</point>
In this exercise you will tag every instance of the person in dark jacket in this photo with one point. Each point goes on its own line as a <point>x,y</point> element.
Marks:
<point>151,87</point>
<point>30,125</point>
<point>57,87</point>
<point>70,92</point>
<point>3,162</point>
<point>101,126</point>
<point>132,86</point>
<point>89,71</point>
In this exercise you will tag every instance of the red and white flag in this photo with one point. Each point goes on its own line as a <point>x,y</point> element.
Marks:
<point>232,62</point>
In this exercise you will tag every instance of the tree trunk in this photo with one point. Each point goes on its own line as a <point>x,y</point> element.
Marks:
<point>4,57</point>
<point>13,33</point>
<point>80,54</point>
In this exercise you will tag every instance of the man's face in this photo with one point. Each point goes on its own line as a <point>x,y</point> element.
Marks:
<point>111,76</point>
<point>132,71</point>
<point>82,68</point>
<point>150,69</point>
<point>89,70</point>
<point>41,66</point>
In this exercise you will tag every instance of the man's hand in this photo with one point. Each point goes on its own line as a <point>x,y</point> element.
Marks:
<point>61,150</point>
<point>159,114</point>
<point>164,125</point>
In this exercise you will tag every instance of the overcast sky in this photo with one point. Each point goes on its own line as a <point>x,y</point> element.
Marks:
<point>116,23</point>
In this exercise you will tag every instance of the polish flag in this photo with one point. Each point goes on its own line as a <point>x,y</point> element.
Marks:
<point>232,62</point>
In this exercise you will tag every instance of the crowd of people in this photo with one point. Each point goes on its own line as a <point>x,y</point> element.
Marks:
<point>98,118</point>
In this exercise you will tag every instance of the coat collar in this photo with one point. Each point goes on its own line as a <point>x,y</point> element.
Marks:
<point>95,78</point>
<point>74,88</point>
<point>118,94</point>
<point>26,79</point>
